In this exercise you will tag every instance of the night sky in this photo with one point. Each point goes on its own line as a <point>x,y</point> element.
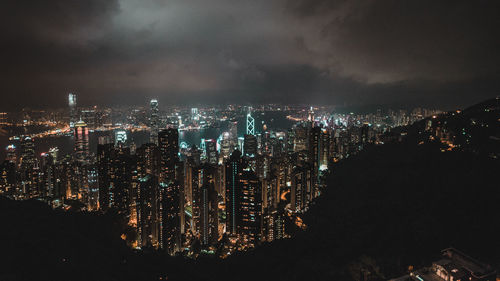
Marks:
<point>442,53</point>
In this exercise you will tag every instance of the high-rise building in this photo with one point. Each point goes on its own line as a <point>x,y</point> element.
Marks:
<point>314,153</point>
<point>324,149</point>
<point>105,151</point>
<point>120,137</point>
<point>208,221</point>
<point>250,124</point>
<point>194,114</point>
<point>170,216</point>
<point>154,122</point>
<point>250,145</point>
<point>148,160</point>
<point>28,169</point>
<point>122,166</point>
<point>250,209</point>
<point>234,169</point>
<point>81,141</point>
<point>211,151</point>
<point>147,211</point>
<point>233,132</point>
<point>168,143</point>
<point>11,153</point>
<point>73,114</point>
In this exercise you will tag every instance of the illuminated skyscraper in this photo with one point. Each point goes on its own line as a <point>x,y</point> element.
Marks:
<point>211,151</point>
<point>105,151</point>
<point>28,168</point>
<point>120,137</point>
<point>154,122</point>
<point>208,214</point>
<point>250,124</point>
<point>81,141</point>
<point>147,211</point>
<point>168,143</point>
<point>194,114</point>
<point>234,169</point>
<point>11,153</point>
<point>233,132</point>
<point>250,208</point>
<point>170,216</point>
<point>73,114</point>
<point>250,145</point>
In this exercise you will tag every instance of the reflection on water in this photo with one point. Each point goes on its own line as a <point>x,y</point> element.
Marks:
<point>273,120</point>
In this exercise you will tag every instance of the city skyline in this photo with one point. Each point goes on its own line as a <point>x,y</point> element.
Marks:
<point>250,140</point>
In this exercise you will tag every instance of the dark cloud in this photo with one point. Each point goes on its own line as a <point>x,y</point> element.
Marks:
<point>344,52</point>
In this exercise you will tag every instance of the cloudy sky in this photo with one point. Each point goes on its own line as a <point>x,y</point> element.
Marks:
<point>432,52</point>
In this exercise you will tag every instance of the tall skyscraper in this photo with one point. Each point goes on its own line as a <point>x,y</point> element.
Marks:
<point>28,163</point>
<point>81,141</point>
<point>154,121</point>
<point>73,114</point>
<point>250,208</point>
<point>147,211</point>
<point>11,153</point>
<point>104,153</point>
<point>234,169</point>
<point>170,216</point>
<point>208,214</point>
<point>168,143</point>
<point>250,145</point>
<point>250,124</point>
<point>211,151</point>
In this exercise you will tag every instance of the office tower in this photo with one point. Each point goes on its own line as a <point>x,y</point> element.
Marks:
<point>170,217</point>
<point>105,151</point>
<point>324,157</point>
<point>250,145</point>
<point>147,211</point>
<point>211,151</point>
<point>120,137</point>
<point>208,221</point>
<point>73,114</point>
<point>122,166</point>
<point>47,179</point>
<point>250,124</point>
<point>154,121</point>
<point>310,115</point>
<point>11,153</point>
<point>27,152</point>
<point>314,152</point>
<point>233,132</point>
<point>234,169</point>
<point>93,188</point>
<point>300,138</point>
<point>168,143</point>
<point>200,175</point>
<point>250,209</point>
<point>81,141</point>
<point>194,114</point>
<point>89,116</point>
<point>28,169</point>
<point>195,154</point>
<point>148,160</point>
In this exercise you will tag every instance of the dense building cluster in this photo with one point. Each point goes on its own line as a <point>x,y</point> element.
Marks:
<point>229,194</point>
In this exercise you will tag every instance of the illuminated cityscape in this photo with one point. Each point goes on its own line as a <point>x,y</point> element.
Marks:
<point>178,193</point>
<point>250,140</point>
